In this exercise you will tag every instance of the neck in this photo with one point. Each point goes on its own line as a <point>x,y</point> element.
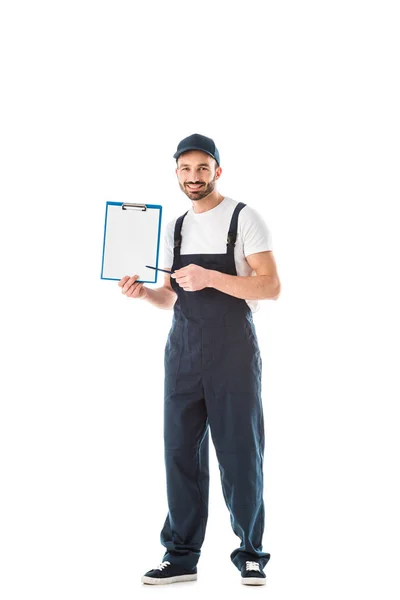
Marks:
<point>207,203</point>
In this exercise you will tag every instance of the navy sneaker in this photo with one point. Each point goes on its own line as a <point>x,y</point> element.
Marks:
<point>252,573</point>
<point>169,573</point>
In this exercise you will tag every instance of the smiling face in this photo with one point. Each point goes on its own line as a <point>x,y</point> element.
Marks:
<point>197,174</point>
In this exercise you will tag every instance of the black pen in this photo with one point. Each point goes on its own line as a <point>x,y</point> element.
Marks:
<point>156,269</point>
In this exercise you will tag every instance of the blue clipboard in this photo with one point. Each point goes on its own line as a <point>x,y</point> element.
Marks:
<point>131,241</point>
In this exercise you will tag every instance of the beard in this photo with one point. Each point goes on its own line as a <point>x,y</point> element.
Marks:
<point>201,193</point>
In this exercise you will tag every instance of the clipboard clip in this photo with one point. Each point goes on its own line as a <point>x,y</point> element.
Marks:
<point>127,206</point>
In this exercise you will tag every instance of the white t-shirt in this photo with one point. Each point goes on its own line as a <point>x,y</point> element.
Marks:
<point>206,233</point>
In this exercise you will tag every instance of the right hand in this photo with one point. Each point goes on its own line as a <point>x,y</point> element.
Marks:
<point>131,289</point>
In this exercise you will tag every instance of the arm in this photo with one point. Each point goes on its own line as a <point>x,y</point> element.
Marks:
<point>264,285</point>
<point>163,297</point>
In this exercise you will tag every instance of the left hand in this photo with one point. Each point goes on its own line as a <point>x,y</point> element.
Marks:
<point>192,278</point>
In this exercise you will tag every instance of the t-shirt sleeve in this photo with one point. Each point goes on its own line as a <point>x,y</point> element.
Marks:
<point>255,233</point>
<point>168,257</point>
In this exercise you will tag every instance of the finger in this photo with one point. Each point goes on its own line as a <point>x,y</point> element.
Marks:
<point>122,281</point>
<point>180,271</point>
<point>136,292</point>
<point>129,282</point>
<point>132,290</point>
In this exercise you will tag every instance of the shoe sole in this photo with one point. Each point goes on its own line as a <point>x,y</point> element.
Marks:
<point>253,581</point>
<point>176,579</point>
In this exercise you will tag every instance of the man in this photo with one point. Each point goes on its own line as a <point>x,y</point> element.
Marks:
<point>221,263</point>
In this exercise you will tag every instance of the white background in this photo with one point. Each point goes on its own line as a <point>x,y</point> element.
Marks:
<point>302,99</point>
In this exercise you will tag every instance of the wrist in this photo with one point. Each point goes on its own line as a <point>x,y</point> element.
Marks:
<point>211,278</point>
<point>144,293</point>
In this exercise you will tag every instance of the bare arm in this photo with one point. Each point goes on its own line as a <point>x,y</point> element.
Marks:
<point>264,285</point>
<point>162,297</point>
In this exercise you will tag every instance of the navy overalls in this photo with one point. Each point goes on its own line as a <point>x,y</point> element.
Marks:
<point>212,380</point>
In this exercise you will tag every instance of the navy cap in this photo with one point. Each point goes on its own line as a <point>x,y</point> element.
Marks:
<point>198,142</point>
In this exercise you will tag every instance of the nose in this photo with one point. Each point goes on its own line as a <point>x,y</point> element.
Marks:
<point>192,176</point>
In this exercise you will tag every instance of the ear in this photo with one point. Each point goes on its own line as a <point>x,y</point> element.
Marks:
<point>218,172</point>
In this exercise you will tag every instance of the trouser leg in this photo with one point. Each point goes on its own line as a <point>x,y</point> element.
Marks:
<point>237,429</point>
<point>186,442</point>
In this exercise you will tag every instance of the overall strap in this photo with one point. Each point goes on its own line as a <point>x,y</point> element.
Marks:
<point>233,227</point>
<point>177,234</point>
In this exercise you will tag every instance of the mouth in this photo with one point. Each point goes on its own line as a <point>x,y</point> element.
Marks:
<point>194,188</point>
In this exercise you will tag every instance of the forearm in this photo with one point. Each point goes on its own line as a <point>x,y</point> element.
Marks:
<point>258,287</point>
<point>161,297</point>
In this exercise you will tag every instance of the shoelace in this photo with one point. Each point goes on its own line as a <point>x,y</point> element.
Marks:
<point>162,565</point>
<point>252,566</point>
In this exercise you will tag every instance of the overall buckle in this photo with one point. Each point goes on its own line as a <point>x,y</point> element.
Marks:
<point>231,240</point>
